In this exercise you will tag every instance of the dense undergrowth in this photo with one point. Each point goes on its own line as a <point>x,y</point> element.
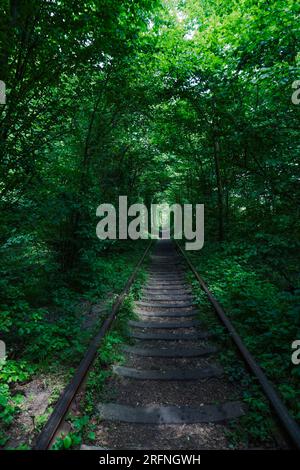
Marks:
<point>265,312</point>
<point>178,101</point>
<point>44,337</point>
<point>84,424</point>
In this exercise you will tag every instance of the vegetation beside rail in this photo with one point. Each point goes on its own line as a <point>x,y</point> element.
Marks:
<point>265,316</point>
<point>178,101</point>
<point>84,423</point>
<point>48,339</point>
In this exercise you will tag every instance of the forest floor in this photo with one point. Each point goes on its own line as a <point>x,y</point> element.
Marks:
<point>120,390</point>
<point>86,428</point>
<point>37,396</point>
<point>33,379</point>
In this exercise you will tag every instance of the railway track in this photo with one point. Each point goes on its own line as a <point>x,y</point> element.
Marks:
<point>171,375</point>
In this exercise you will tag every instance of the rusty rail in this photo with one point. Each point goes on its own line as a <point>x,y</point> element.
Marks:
<point>287,421</point>
<point>67,396</point>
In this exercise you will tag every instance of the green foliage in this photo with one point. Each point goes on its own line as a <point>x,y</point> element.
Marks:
<point>265,317</point>
<point>11,372</point>
<point>82,426</point>
<point>52,337</point>
<point>109,354</point>
<point>160,100</point>
<point>67,442</point>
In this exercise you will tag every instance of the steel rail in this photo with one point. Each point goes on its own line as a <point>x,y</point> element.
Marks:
<point>67,396</point>
<point>287,421</point>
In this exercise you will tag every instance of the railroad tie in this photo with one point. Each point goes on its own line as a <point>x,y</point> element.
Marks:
<point>164,325</point>
<point>169,336</point>
<point>171,414</point>
<point>170,352</point>
<point>169,347</point>
<point>168,374</point>
<point>166,313</point>
<point>156,304</point>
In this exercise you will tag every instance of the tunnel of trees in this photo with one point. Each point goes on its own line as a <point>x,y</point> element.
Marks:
<point>181,101</point>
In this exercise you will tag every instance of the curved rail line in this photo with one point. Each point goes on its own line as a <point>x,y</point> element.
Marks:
<point>64,402</point>
<point>44,440</point>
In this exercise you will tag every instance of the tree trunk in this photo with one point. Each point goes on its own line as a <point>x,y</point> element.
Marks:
<point>220,189</point>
